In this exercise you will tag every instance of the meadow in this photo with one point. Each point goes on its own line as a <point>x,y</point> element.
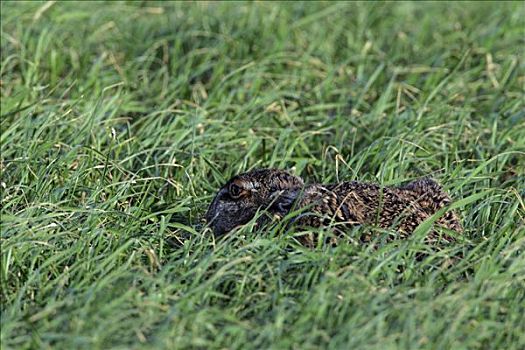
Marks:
<point>120,120</point>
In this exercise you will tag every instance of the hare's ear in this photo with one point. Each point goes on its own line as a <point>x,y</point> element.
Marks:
<point>283,200</point>
<point>422,186</point>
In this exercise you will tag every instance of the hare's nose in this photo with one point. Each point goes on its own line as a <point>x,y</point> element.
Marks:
<point>212,209</point>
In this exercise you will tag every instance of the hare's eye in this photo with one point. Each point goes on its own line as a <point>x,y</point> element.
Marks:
<point>235,191</point>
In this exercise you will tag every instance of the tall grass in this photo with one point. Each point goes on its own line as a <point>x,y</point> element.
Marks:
<point>120,120</point>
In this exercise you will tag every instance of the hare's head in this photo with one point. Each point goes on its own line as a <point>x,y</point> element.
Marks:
<point>242,196</point>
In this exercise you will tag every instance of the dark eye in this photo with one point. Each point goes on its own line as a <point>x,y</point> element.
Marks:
<point>235,191</point>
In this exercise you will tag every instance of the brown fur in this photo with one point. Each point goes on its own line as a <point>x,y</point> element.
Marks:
<point>346,204</point>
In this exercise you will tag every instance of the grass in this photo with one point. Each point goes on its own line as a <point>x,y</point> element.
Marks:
<point>120,120</point>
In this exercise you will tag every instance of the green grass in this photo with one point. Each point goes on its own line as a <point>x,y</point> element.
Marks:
<point>121,120</point>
